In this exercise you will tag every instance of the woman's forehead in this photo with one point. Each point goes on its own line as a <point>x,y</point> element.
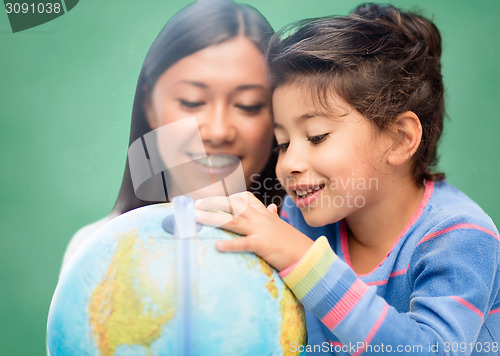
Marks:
<point>237,62</point>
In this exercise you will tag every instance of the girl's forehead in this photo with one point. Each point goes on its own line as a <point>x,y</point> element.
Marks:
<point>297,102</point>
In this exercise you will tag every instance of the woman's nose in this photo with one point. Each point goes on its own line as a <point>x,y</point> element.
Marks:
<point>217,127</point>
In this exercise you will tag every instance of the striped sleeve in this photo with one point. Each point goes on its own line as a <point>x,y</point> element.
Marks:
<point>325,284</point>
<point>363,321</point>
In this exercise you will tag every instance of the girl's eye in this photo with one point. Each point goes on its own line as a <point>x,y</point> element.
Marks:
<point>251,109</point>
<point>317,139</point>
<point>191,104</point>
<point>281,147</point>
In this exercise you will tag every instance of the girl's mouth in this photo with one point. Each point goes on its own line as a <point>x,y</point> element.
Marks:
<point>306,195</point>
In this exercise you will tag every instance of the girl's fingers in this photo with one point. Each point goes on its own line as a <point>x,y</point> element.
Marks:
<point>223,220</point>
<point>272,208</point>
<point>232,205</point>
<point>235,204</point>
<point>212,218</point>
<point>241,244</point>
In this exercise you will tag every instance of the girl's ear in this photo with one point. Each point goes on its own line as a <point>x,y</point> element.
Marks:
<point>408,135</point>
<point>147,106</point>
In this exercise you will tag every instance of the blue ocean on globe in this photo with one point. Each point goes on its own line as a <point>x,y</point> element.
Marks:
<point>136,289</point>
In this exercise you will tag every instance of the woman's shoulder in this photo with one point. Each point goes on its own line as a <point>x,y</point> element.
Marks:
<point>80,236</point>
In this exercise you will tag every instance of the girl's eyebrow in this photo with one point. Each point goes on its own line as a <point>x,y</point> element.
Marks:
<point>308,115</point>
<point>301,118</point>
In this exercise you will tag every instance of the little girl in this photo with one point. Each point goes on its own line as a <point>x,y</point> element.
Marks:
<point>386,256</point>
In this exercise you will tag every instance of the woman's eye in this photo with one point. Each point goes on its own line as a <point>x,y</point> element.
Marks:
<point>191,104</point>
<point>251,109</point>
<point>317,139</point>
<point>281,147</point>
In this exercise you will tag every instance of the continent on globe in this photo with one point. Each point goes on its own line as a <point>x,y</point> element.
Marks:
<point>121,295</point>
<point>122,315</point>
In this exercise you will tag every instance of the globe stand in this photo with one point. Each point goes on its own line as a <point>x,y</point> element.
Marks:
<point>185,231</point>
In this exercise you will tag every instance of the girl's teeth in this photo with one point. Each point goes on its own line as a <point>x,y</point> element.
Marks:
<point>303,193</point>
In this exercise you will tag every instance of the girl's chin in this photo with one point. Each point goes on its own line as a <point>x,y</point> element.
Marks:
<point>312,218</point>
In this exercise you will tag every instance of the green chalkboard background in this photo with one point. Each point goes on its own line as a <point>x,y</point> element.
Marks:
<point>66,92</point>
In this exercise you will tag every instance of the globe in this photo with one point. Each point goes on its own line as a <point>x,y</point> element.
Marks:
<point>134,288</point>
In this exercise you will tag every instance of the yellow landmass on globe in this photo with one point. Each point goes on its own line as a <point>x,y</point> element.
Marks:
<point>125,309</point>
<point>271,286</point>
<point>293,323</point>
<point>292,313</point>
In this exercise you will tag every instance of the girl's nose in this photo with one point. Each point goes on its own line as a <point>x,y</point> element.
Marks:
<point>292,161</point>
<point>217,127</point>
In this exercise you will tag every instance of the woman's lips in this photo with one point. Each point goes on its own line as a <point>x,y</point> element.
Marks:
<point>215,164</point>
<point>218,160</point>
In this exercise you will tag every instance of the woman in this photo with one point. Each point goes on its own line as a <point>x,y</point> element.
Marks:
<point>206,65</point>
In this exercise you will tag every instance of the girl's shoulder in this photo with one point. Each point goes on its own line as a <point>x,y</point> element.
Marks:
<point>449,203</point>
<point>450,211</point>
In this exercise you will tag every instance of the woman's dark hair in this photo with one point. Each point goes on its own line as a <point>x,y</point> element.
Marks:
<point>199,25</point>
<point>380,60</point>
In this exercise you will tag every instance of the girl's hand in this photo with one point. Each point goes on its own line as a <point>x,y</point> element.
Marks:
<point>264,233</point>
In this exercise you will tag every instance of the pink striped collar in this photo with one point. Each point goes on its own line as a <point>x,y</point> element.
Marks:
<point>429,189</point>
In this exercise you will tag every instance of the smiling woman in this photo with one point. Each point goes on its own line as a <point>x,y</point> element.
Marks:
<point>224,87</point>
<point>204,79</point>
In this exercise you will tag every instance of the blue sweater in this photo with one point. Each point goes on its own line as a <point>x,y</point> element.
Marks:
<point>436,291</point>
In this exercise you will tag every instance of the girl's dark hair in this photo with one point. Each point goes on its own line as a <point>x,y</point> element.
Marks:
<point>199,25</point>
<point>380,60</point>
